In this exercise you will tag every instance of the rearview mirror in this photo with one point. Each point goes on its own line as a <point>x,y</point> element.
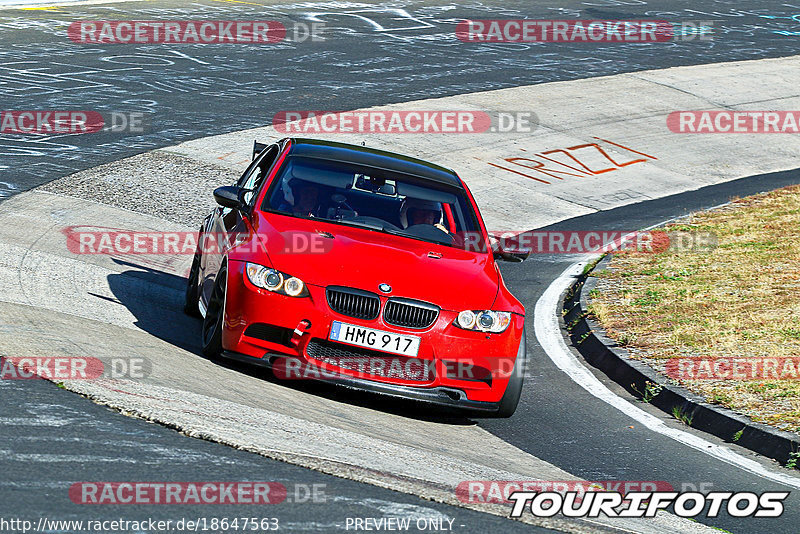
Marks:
<point>229,196</point>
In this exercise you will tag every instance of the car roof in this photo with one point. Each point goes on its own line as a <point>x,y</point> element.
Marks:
<point>371,157</point>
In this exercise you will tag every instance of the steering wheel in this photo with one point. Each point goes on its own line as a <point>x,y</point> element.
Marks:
<point>341,205</point>
<point>430,231</point>
<point>377,222</point>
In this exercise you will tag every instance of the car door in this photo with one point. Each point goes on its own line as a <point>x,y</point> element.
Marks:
<point>225,223</point>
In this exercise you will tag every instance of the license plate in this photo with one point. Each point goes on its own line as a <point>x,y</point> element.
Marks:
<point>370,338</point>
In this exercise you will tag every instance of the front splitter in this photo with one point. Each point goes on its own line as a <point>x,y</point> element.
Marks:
<point>439,396</point>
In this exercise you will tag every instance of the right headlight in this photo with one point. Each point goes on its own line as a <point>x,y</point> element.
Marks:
<point>275,281</point>
<point>483,320</point>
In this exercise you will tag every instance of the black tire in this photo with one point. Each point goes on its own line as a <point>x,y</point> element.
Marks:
<point>510,400</point>
<point>215,314</point>
<point>192,296</point>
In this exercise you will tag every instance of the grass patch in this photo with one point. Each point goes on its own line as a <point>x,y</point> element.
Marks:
<point>740,299</point>
<point>651,391</point>
<point>650,298</point>
<point>682,416</point>
<point>793,460</point>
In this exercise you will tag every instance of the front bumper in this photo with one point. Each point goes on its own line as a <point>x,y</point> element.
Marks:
<point>440,396</point>
<point>468,369</point>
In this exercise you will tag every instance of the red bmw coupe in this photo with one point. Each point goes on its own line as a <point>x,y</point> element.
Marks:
<point>363,268</point>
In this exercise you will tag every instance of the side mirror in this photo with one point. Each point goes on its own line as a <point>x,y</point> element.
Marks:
<point>517,256</point>
<point>229,196</point>
<point>508,250</point>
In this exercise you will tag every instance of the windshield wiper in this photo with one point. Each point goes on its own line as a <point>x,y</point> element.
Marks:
<point>443,241</point>
<point>357,224</point>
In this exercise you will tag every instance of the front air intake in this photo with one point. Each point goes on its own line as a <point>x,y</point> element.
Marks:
<point>410,313</point>
<point>353,302</point>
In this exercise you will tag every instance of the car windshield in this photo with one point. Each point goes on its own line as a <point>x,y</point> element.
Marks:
<point>376,199</point>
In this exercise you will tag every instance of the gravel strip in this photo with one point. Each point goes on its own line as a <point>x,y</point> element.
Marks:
<point>160,184</point>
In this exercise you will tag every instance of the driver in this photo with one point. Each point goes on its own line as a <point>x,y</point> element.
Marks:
<point>423,216</point>
<point>416,211</point>
<point>306,200</point>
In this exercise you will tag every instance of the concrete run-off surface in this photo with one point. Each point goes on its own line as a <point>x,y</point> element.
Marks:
<point>131,305</point>
<point>136,302</point>
<point>593,124</point>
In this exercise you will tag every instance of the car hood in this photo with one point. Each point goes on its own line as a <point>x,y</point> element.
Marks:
<point>454,280</point>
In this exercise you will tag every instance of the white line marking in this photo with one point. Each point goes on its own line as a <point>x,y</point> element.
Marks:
<point>548,333</point>
<point>181,54</point>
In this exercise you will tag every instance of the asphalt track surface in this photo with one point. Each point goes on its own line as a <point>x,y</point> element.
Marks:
<point>557,421</point>
<point>50,437</point>
<point>566,426</point>
<point>375,53</point>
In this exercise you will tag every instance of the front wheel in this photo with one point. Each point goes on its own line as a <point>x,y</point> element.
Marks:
<point>510,400</point>
<point>215,315</point>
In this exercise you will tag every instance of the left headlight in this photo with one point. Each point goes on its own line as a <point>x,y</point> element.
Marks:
<point>275,281</point>
<point>483,320</point>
